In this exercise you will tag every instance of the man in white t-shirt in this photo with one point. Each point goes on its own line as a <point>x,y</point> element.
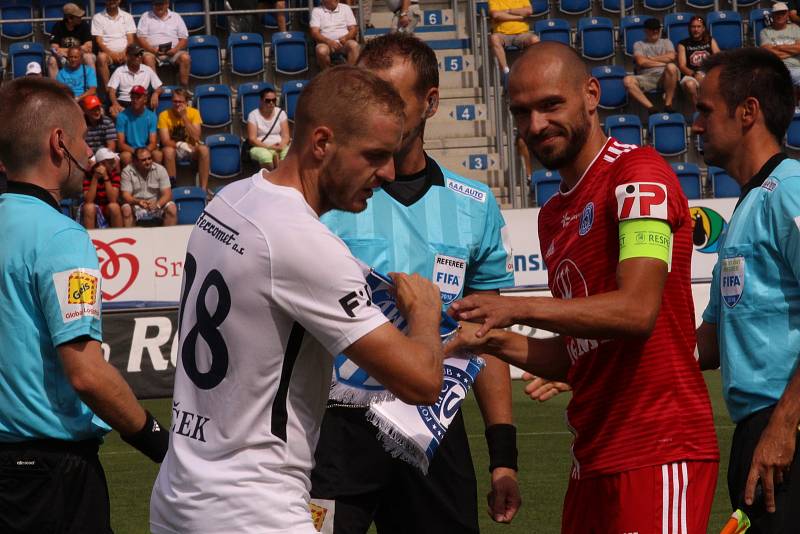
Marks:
<point>113,29</point>
<point>268,131</point>
<point>163,35</point>
<point>334,29</point>
<point>270,295</point>
<point>129,75</point>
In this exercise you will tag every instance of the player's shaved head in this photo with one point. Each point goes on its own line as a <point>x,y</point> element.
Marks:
<point>550,59</point>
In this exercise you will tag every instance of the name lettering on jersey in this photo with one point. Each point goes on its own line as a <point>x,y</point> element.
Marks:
<point>641,200</point>
<point>78,291</point>
<point>769,184</point>
<point>360,298</point>
<point>448,275</point>
<point>731,279</point>
<point>188,424</point>
<point>587,219</point>
<point>466,190</point>
<point>219,231</point>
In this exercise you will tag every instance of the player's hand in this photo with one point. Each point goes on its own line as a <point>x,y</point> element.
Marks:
<point>772,457</point>
<point>493,311</point>
<point>466,341</point>
<point>542,389</point>
<point>417,298</point>
<point>504,498</point>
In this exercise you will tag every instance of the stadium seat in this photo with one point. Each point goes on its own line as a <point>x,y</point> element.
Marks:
<point>632,28</point>
<point>627,129</point>
<point>793,133</point>
<point>658,5</point>
<point>205,54</point>
<point>194,23</point>
<point>20,54</point>
<point>667,133</point>
<point>246,53</point>
<point>689,177</point>
<point>677,26</point>
<point>226,155</point>
<point>165,98</point>
<point>290,91</point>
<point>289,52</point>
<point>66,205</point>
<point>137,8</point>
<point>190,201</point>
<point>574,7</point>
<point>553,30</point>
<point>52,9</point>
<point>545,183</point>
<point>612,91</point>
<point>214,104</point>
<point>698,141</point>
<point>248,96</point>
<point>612,6</point>
<point>99,5</point>
<point>722,184</point>
<point>726,28</point>
<point>540,7</point>
<point>757,23</point>
<point>596,37</point>
<point>746,3</point>
<point>700,4</point>
<point>11,10</point>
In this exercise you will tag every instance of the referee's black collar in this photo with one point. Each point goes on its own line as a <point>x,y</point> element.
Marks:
<point>761,175</point>
<point>408,189</point>
<point>25,188</point>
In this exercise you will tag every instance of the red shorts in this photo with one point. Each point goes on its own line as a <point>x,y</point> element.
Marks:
<point>663,499</point>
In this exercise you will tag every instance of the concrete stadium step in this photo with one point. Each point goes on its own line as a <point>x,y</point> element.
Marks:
<point>455,61</point>
<point>434,19</point>
<point>456,79</point>
<point>479,142</point>
<point>446,93</point>
<point>458,120</point>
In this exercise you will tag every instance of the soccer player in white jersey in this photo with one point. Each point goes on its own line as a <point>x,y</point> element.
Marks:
<point>269,296</point>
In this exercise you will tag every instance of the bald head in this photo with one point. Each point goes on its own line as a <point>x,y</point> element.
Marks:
<point>550,60</point>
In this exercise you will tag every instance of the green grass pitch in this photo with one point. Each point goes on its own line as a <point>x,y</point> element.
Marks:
<point>543,442</point>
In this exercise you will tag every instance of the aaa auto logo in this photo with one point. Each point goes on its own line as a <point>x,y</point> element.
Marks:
<point>119,270</point>
<point>708,228</point>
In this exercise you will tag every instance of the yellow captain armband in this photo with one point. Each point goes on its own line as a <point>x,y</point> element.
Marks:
<point>645,238</point>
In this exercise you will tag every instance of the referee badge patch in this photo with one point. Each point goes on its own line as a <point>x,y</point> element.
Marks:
<point>731,279</point>
<point>448,275</point>
<point>78,293</point>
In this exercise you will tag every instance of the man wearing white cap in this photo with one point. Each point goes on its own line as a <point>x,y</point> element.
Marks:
<point>782,38</point>
<point>100,208</point>
<point>33,69</point>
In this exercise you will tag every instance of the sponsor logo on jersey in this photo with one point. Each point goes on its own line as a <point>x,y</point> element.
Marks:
<point>219,231</point>
<point>448,275</point>
<point>355,300</point>
<point>466,190</point>
<point>566,219</point>
<point>708,227</point>
<point>769,184</point>
<point>78,291</point>
<point>641,200</point>
<point>731,279</point>
<point>569,283</point>
<point>587,219</point>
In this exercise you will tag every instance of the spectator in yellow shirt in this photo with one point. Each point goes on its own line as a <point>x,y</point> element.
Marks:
<point>510,28</point>
<point>179,132</point>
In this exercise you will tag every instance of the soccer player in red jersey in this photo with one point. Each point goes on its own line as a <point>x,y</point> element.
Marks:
<point>617,244</point>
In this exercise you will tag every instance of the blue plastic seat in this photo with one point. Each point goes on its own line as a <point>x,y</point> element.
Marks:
<point>165,98</point>
<point>214,104</point>
<point>66,205</point>
<point>205,54</point>
<point>667,133</point>
<point>658,5</point>
<point>226,155</point>
<point>246,53</point>
<point>689,177</point>
<point>553,30</point>
<point>194,23</point>
<point>289,52</point>
<point>540,7</point>
<point>20,54</point>
<point>248,95</point>
<point>632,28</point>
<point>574,7</point>
<point>627,129</point>
<point>722,184</point>
<point>137,8</point>
<point>612,90</point>
<point>10,11</point>
<point>290,91</point>
<point>545,183</point>
<point>190,201</point>
<point>677,26</point>
<point>757,23</point>
<point>596,36</point>
<point>793,133</point>
<point>700,4</point>
<point>726,28</point>
<point>612,6</point>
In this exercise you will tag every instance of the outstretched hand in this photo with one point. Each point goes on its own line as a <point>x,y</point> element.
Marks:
<point>493,311</point>
<point>541,389</point>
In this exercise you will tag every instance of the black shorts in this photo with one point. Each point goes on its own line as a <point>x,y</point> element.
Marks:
<point>353,469</point>
<point>53,486</point>
<point>787,495</point>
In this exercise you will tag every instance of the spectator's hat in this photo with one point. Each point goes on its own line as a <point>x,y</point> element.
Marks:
<point>33,68</point>
<point>103,154</point>
<point>74,10</point>
<point>133,49</point>
<point>778,7</point>
<point>138,90</point>
<point>652,24</point>
<point>90,102</point>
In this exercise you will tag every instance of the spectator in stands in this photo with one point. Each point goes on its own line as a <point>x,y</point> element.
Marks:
<point>510,28</point>
<point>268,131</point>
<point>692,52</point>
<point>179,129</point>
<point>70,31</point>
<point>782,38</point>
<point>280,17</point>
<point>33,69</point>
<point>163,35</point>
<point>113,30</point>
<point>146,193</point>
<point>100,130</point>
<point>136,128</point>
<point>655,66</point>
<point>79,77</point>
<point>406,17</point>
<point>792,5</point>
<point>130,75</point>
<point>334,29</point>
<point>100,207</point>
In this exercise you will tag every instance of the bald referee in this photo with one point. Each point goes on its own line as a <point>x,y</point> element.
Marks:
<point>58,396</point>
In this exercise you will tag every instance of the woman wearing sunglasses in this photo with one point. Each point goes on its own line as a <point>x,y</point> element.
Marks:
<point>268,131</point>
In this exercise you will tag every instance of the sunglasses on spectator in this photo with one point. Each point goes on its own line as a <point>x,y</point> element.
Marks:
<point>270,100</point>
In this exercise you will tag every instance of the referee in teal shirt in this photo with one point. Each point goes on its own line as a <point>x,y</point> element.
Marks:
<point>58,396</point>
<point>752,323</point>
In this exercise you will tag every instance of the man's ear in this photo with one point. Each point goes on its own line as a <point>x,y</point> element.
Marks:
<point>321,142</point>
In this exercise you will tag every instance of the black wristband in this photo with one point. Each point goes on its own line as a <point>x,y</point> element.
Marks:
<point>502,442</point>
<point>152,440</point>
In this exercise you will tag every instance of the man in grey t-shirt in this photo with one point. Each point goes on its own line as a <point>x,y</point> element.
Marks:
<point>782,38</point>
<point>146,192</point>
<point>655,66</point>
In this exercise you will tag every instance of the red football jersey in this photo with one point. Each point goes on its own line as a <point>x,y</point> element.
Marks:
<point>635,402</point>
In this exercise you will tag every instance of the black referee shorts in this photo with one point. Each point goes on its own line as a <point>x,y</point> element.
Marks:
<point>787,495</point>
<point>353,469</point>
<point>53,487</point>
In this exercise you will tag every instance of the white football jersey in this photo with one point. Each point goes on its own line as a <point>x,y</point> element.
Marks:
<point>269,296</point>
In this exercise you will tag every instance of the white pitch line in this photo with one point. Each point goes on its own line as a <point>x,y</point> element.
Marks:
<point>566,432</point>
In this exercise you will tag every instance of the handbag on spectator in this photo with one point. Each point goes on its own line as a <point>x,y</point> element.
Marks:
<point>246,146</point>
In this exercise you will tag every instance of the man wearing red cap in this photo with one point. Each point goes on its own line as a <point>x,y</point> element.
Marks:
<point>137,127</point>
<point>100,130</point>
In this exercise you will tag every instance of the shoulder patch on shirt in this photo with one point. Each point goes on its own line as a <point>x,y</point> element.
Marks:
<point>468,191</point>
<point>448,275</point>
<point>641,200</point>
<point>731,279</point>
<point>78,293</point>
<point>769,184</point>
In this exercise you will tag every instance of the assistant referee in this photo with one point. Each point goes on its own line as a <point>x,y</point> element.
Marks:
<point>58,396</point>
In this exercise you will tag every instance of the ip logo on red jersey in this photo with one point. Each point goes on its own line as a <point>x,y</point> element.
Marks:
<point>641,200</point>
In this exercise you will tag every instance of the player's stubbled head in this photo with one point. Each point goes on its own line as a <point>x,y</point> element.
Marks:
<point>554,102</point>
<point>349,122</point>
